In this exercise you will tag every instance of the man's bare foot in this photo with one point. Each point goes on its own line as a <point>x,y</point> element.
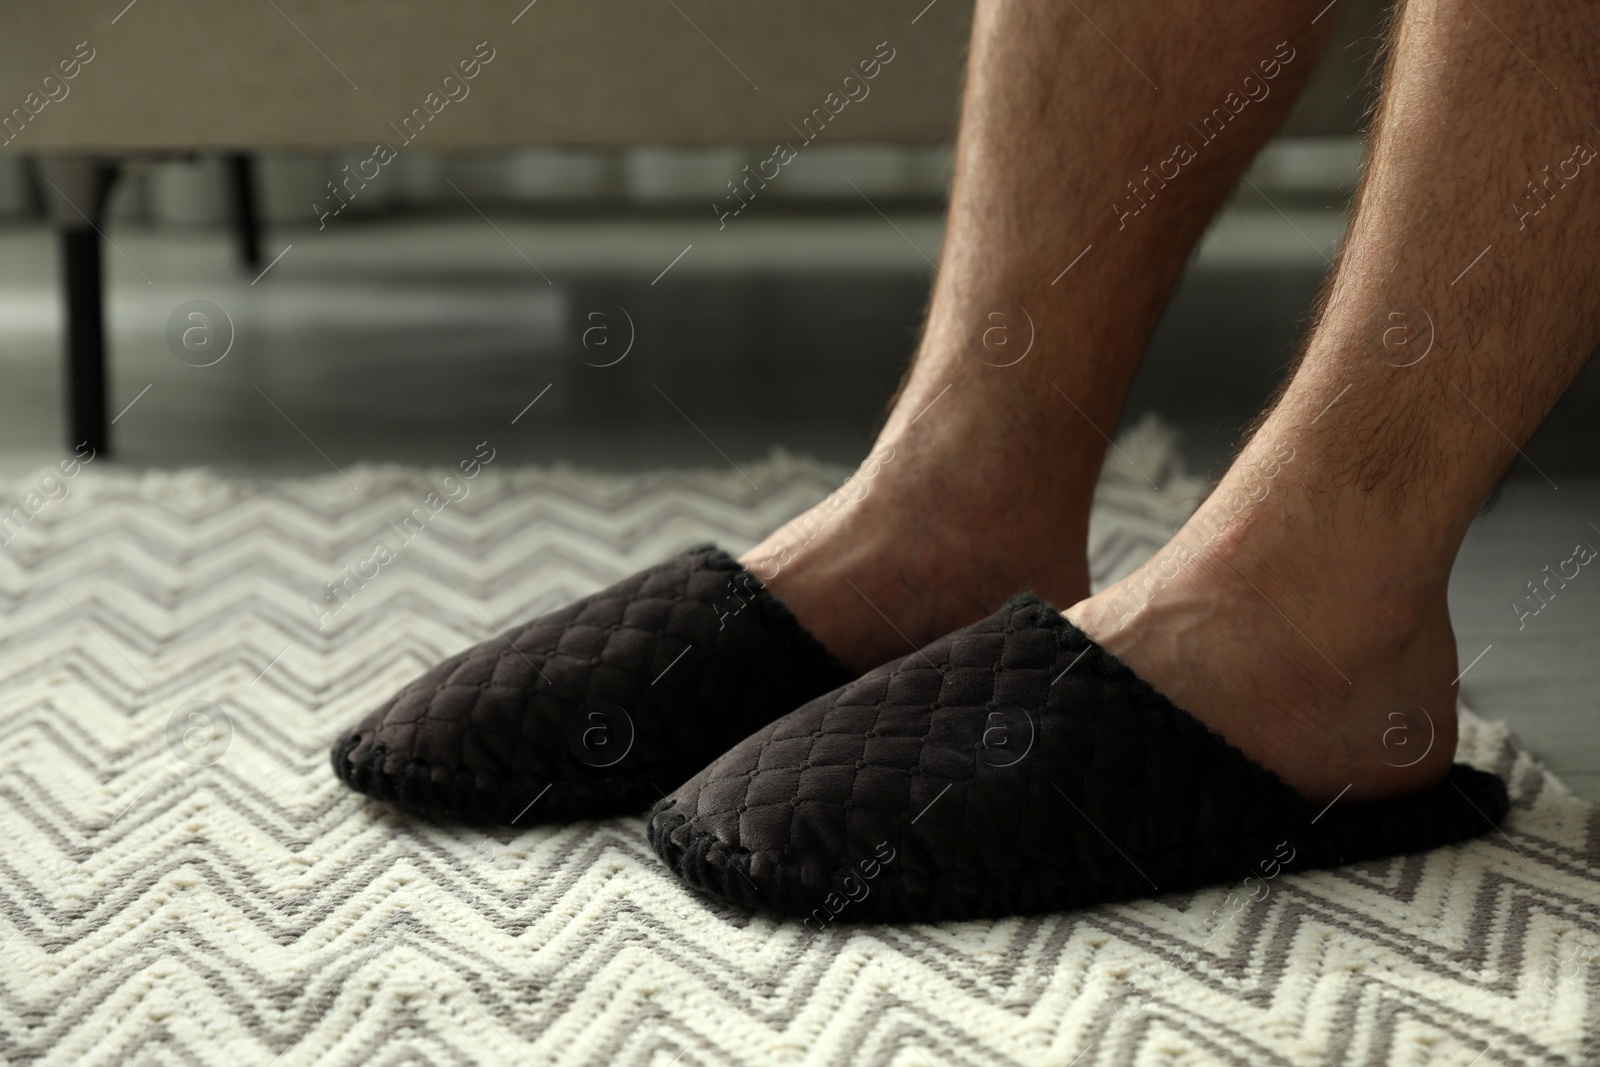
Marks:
<point>1323,656</point>
<point>937,528</point>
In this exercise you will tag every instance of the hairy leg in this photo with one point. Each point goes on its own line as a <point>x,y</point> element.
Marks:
<point>1098,136</point>
<point>1302,611</point>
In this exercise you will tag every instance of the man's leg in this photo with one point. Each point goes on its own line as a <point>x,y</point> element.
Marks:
<point>1302,611</point>
<point>1097,139</point>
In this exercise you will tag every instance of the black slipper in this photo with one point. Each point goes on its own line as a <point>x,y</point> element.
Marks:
<point>1013,766</point>
<point>596,709</point>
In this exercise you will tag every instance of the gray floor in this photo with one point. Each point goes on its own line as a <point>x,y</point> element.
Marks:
<point>403,341</point>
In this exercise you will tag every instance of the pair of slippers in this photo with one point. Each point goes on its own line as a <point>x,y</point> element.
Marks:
<point>1011,766</point>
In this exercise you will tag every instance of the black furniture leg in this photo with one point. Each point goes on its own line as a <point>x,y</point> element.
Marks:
<point>82,277</point>
<point>76,189</point>
<point>242,204</point>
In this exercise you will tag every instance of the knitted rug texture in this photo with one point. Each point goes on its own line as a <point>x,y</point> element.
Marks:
<point>185,882</point>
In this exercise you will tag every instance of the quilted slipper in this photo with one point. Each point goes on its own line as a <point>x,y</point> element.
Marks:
<point>1013,766</point>
<point>596,709</point>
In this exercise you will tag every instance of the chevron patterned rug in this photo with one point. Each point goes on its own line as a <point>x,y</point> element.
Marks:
<point>184,882</point>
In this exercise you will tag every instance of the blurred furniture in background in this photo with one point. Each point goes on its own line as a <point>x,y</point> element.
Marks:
<point>307,90</point>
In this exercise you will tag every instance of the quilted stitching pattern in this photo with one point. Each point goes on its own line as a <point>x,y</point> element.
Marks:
<point>895,797</point>
<point>695,651</point>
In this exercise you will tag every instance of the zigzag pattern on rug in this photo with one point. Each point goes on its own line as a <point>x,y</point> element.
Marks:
<point>184,881</point>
